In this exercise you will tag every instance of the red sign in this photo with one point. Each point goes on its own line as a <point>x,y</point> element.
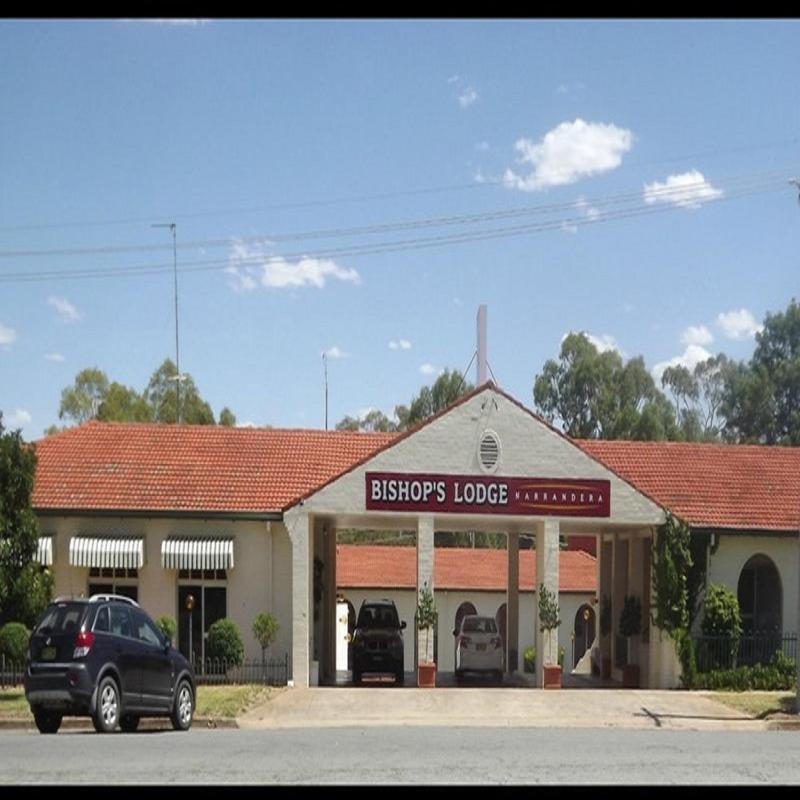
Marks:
<point>467,494</point>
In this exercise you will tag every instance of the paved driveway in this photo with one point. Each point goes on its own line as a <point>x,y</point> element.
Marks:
<point>496,707</point>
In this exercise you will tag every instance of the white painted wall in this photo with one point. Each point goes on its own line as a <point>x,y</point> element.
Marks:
<point>725,567</point>
<point>249,590</point>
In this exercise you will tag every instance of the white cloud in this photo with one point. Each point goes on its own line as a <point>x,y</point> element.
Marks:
<point>697,334</point>
<point>54,357</point>
<point>428,369</point>
<point>335,353</point>
<point>587,211</point>
<point>7,335</point>
<point>275,272</point>
<point>687,190</point>
<point>739,324</point>
<point>562,89</point>
<point>66,311</point>
<point>453,79</point>
<point>569,152</point>
<point>247,424</point>
<point>399,344</point>
<point>482,146</point>
<point>19,418</point>
<point>467,97</point>
<point>690,358</point>
<point>569,227</point>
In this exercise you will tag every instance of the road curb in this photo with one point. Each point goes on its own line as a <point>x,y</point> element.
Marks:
<point>152,724</point>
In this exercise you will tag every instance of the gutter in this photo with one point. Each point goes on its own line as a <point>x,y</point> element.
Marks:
<point>260,516</point>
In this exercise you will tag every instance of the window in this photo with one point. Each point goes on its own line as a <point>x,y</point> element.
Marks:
<point>121,621</point>
<point>101,623</point>
<point>145,630</point>
<point>117,581</point>
<point>760,596</point>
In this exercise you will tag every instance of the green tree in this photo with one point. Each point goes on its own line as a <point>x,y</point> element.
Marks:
<point>761,402</point>
<point>227,418</point>
<point>25,588</point>
<point>447,388</point>
<point>374,420</point>
<point>265,629</point>
<point>594,395</point>
<point>123,404</point>
<point>81,401</point>
<point>162,396</point>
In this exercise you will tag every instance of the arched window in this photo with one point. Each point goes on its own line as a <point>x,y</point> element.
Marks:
<point>584,631</point>
<point>760,596</point>
<point>463,610</point>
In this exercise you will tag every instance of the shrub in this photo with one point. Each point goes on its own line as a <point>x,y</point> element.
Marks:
<point>779,674</point>
<point>265,629</point>
<point>14,638</point>
<point>225,643</point>
<point>687,656</point>
<point>721,615</point>
<point>167,626</point>
<point>529,659</point>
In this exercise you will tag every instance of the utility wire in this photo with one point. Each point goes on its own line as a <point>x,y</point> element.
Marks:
<point>382,247</point>
<point>663,193</point>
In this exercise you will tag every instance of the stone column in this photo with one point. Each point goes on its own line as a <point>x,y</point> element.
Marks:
<point>328,666</point>
<point>424,575</point>
<point>606,556</point>
<point>547,533</point>
<point>512,605</point>
<point>301,531</point>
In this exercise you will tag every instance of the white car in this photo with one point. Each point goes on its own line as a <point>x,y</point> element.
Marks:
<point>479,647</point>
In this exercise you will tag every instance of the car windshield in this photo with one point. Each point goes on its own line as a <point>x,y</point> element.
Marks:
<point>479,625</point>
<point>377,617</point>
<point>61,618</point>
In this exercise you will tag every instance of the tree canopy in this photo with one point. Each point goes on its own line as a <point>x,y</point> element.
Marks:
<point>92,396</point>
<point>449,386</point>
<point>25,588</point>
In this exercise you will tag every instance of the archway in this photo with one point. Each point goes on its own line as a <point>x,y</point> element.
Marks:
<point>583,632</point>
<point>464,609</point>
<point>760,596</point>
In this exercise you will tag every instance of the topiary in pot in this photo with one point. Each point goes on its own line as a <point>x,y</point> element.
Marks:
<point>549,621</point>
<point>426,617</point>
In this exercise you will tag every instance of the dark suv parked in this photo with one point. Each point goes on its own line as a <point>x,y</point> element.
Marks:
<point>105,658</point>
<point>378,640</point>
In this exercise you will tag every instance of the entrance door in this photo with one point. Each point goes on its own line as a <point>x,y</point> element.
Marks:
<point>583,632</point>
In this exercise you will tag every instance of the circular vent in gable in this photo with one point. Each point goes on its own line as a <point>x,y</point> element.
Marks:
<point>489,451</point>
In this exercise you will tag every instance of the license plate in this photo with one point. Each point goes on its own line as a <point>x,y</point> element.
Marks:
<point>480,647</point>
<point>48,654</point>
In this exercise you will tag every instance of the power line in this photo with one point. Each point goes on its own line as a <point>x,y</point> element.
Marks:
<point>662,193</point>
<point>474,185</point>
<point>385,247</point>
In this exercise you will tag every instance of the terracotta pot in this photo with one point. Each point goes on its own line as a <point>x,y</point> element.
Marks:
<point>426,675</point>
<point>630,676</point>
<point>606,668</point>
<point>552,677</point>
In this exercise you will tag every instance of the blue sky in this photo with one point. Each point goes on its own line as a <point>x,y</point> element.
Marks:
<point>361,187</point>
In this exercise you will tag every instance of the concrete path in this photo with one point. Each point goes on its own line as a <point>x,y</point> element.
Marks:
<point>498,707</point>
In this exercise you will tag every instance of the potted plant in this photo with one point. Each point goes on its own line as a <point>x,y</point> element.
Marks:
<point>265,629</point>
<point>630,624</point>
<point>548,622</point>
<point>605,632</point>
<point>427,616</point>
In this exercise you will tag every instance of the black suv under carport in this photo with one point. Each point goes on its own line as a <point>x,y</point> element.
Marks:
<point>378,640</point>
<point>105,658</point>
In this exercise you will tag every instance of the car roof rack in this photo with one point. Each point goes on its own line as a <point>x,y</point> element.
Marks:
<point>102,598</point>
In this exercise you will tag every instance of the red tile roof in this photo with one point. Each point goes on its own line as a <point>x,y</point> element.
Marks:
<point>711,485</point>
<point>383,567</point>
<point>140,467</point>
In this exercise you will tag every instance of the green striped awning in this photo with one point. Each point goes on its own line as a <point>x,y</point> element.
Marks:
<point>44,552</point>
<point>197,553</point>
<point>106,552</point>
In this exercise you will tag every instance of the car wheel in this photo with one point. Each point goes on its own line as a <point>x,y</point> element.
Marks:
<point>106,712</point>
<point>47,721</point>
<point>129,723</point>
<point>183,711</point>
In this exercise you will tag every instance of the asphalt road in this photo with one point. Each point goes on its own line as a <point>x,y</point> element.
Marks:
<point>402,755</point>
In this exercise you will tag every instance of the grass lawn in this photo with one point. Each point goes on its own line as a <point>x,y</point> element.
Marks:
<point>758,704</point>
<point>212,701</point>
